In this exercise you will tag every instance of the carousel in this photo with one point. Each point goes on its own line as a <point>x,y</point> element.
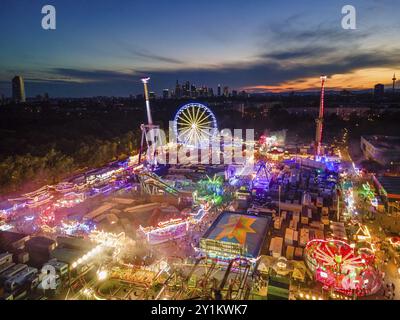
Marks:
<point>343,268</point>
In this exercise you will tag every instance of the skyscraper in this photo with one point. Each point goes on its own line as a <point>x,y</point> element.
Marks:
<point>165,94</point>
<point>152,95</point>
<point>178,91</point>
<point>219,90</point>
<point>193,91</point>
<point>186,89</point>
<point>18,89</point>
<point>394,82</point>
<point>379,91</point>
<point>226,91</point>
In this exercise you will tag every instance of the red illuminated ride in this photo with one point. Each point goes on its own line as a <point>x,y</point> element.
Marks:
<point>341,268</point>
<point>320,120</point>
<point>47,217</point>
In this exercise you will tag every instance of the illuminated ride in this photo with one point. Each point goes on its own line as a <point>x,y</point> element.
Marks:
<point>320,121</point>
<point>341,268</point>
<point>47,217</point>
<point>262,175</point>
<point>209,190</point>
<point>173,228</point>
<point>195,125</point>
<point>75,228</point>
<point>152,184</point>
<point>238,272</point>
<point>104,242</point>
<point>166,231</point>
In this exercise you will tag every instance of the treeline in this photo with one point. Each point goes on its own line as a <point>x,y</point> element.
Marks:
<point>53,166</point>
<point>38,148</point>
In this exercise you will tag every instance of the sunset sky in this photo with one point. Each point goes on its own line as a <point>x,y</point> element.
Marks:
<point>104,47</point>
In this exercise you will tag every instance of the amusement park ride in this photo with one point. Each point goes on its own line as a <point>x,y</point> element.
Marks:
<point>320,120</point>
<point>195,125</point>
<point>232,285</point>
<point>262,176</point>
<point>343,268</point>
<point>151,183</point>
<point>148,128</point>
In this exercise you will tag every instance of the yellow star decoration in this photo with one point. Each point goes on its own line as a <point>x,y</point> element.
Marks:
<point>237,227</point>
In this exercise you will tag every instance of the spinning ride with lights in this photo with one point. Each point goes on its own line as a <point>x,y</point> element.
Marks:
<point>209,191</point>
<point>195,125</point>
<point>262,175</point>
<point>166,231</point>
<point>341,268</point>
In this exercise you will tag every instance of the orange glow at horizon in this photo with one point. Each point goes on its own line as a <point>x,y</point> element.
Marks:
<point>357,80</point>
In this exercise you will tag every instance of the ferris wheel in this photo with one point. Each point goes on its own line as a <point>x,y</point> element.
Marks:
<point>195,125</point>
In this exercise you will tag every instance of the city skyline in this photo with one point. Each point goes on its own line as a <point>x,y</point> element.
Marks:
<point>105,49</point>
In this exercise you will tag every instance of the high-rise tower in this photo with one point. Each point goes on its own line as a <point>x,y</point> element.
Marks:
<point>394,82</point>
<point>150,132</point>
<point>18,89</point>
<point>146,96</point>
<point>320,120</point>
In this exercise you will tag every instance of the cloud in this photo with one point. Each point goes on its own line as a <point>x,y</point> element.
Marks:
<point>297,54</point>
<point>267,71</point>
<point>81,75</point>
<point>152,56</point>
<point>145,54</point>
<point>303,52</point>
<point>293,31</point>
<point>272,72</point>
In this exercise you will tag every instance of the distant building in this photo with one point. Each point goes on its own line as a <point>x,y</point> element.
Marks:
<point>226,91</point>
<point>186,89</point>
<point>243,94</point>
<point>152,95</point>
<point>383,149</point>
<point>219,90</point>
<point>234,93</point>
<point>178,90</point>
<point>193,91</point>
<point>18,89</point>
<point>389,189</point>
<point>379,91</point>
<point>165,94</point>
<point>202,91</point>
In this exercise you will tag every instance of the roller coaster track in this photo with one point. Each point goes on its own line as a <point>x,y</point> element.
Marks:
<point>151,183</point>
<point>241,293</point>
<point>182,291</point>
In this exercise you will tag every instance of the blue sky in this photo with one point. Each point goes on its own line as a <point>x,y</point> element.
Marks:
<point>104,47</point>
